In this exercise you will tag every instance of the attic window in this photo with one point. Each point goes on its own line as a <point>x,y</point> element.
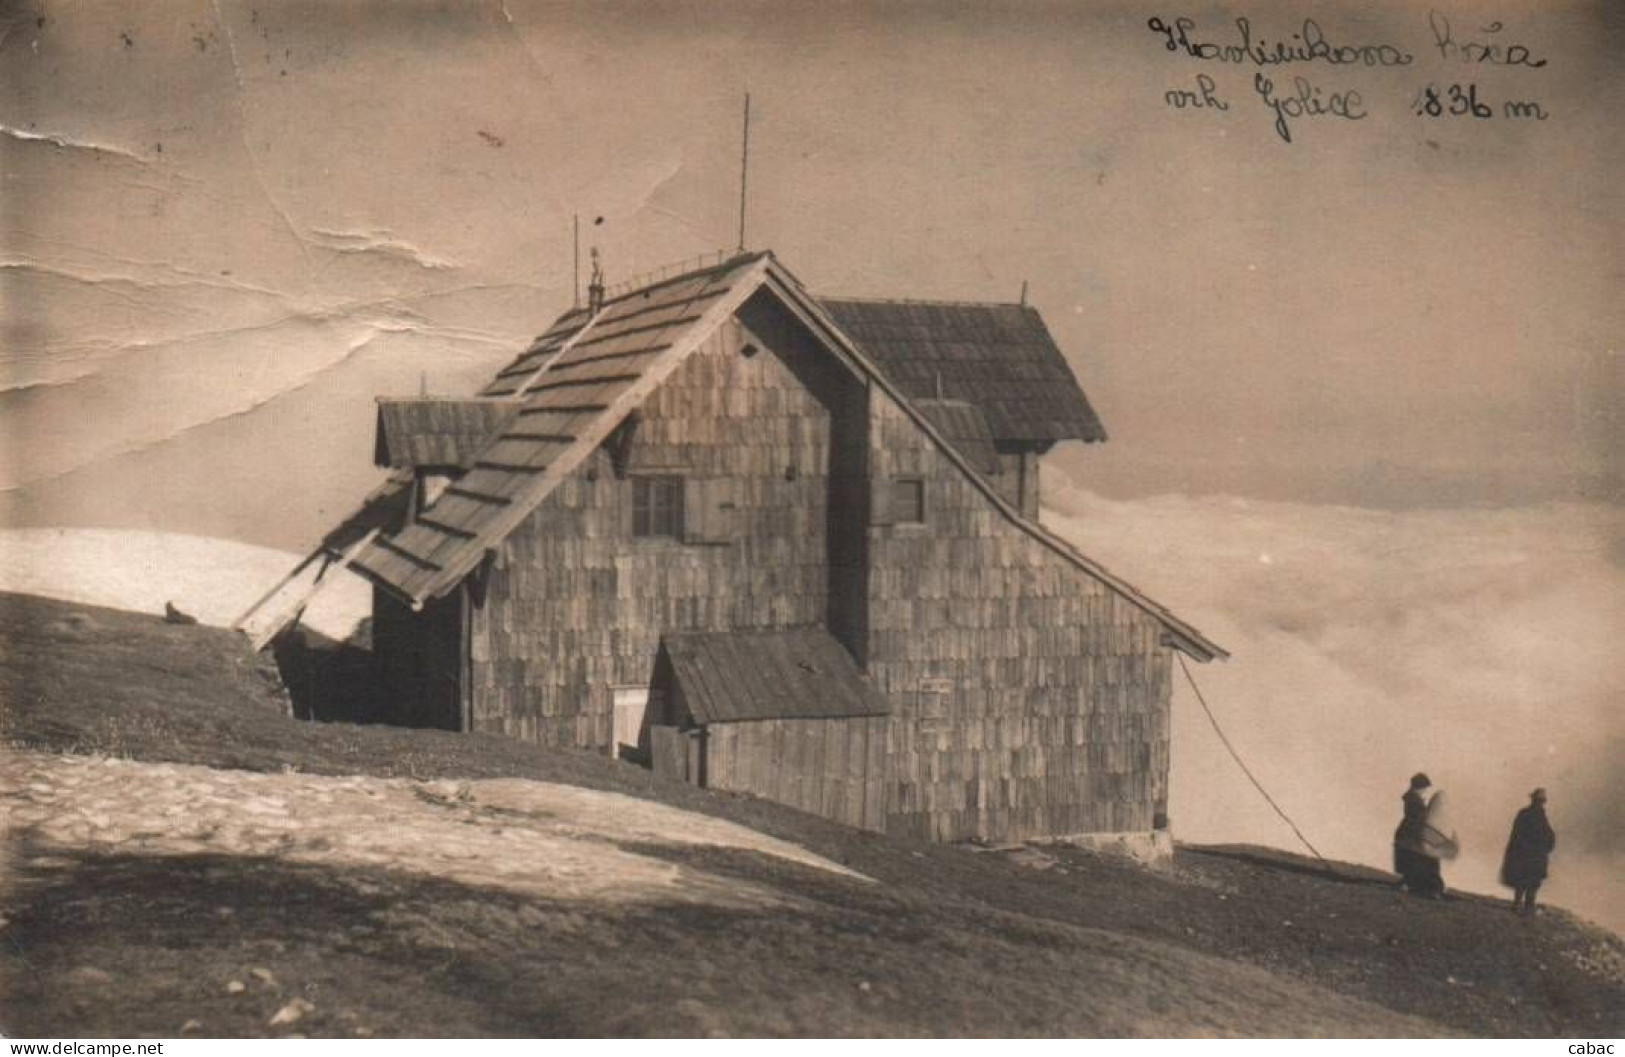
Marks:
<point>657,506</point>
<point>434,485</point>
<point>907,501</point>
<point>428,487</point>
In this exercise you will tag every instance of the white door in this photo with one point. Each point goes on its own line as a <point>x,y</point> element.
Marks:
<point>631,702</point>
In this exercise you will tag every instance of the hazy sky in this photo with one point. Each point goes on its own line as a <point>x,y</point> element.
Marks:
<point>247,217</point>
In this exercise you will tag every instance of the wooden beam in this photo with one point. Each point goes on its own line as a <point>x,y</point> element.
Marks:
<point>676,321</point>
<point>441,526</point>
<point>580,383</point>
<point>394,547</point>
<point>478,497</point>
<point>524,387</point>
<point>237,625</point>
<point>565,409</point>
<point>293,612</point>
<point>583,361</point>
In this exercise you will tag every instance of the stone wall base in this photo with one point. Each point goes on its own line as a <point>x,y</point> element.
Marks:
<point>1152,847</point>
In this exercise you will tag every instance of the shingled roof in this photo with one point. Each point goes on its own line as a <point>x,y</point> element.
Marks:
<point>581,379</point>
<point>436,431</point>
<point>801,673</point>
<point>571,388</point>
<point>999,357</point>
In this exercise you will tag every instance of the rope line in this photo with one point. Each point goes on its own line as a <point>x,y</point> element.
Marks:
<point>1234,755</point>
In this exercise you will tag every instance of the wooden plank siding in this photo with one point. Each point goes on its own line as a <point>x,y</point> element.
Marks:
<point>668,752</point>
<point>1028,700</point>
<point>822,766</point>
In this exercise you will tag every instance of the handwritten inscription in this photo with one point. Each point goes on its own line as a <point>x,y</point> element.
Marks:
<point>1306,100</point>
<point>1287,101</point>
<point>1310,45</point>
<point>1202,98</point>
<point>1488,50</point>
<point>1458,100</point>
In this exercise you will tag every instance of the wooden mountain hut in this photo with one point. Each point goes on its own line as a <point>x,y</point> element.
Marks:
<point>782,545</point>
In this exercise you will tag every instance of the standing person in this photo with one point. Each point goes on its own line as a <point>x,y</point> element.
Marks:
<point>1418,870</point>
<point>1529,847</point>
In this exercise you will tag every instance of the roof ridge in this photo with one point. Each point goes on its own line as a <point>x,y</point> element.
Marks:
<point>477,398</point>
<point>951,303</point>
<point>727,264</point>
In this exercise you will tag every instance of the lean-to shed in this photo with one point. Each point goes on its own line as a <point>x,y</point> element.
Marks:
<point>785,715</point>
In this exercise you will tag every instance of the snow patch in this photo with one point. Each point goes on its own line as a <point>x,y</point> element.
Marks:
<point>551,841</point>
<point>215,580</point>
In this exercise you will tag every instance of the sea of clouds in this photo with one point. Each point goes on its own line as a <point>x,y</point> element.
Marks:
<point>1477,645</point>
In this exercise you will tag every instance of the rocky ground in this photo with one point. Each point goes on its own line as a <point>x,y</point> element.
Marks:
<point>182,857</point>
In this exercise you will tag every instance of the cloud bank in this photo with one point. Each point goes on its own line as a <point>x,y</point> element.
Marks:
<point>1477,645</point>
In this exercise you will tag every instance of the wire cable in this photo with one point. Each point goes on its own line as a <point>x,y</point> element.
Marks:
<point>1234,755</point>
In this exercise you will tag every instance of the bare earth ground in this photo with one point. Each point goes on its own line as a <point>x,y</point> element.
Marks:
<point>180,855</point>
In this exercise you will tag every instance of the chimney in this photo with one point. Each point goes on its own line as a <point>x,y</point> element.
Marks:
<point>595,288</point>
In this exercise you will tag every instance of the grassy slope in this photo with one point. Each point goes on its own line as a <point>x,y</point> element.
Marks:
<point>949,942</point>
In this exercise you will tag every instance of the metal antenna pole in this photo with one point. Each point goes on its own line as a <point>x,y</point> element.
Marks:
<point>744,172</point>
<point>575,231</point>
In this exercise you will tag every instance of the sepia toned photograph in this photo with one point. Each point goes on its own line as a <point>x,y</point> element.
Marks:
<point>535,519</point>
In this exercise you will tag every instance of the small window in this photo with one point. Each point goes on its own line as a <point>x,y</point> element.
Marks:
<point>657,506</point>
<point>907,501</point>
<point>428,488</point>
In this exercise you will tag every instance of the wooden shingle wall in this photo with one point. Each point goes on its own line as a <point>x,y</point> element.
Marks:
<point>1028,700</point>
<point>1018,481</point>
<point>574,606</point>
<point>1008,480</point>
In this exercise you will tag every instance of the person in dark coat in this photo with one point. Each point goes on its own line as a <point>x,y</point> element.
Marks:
<point>1418,871</point>
<point>1523,867</point>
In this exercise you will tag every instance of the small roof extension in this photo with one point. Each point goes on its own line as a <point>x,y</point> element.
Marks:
<point>997,357</point>
<point>424,432</point>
